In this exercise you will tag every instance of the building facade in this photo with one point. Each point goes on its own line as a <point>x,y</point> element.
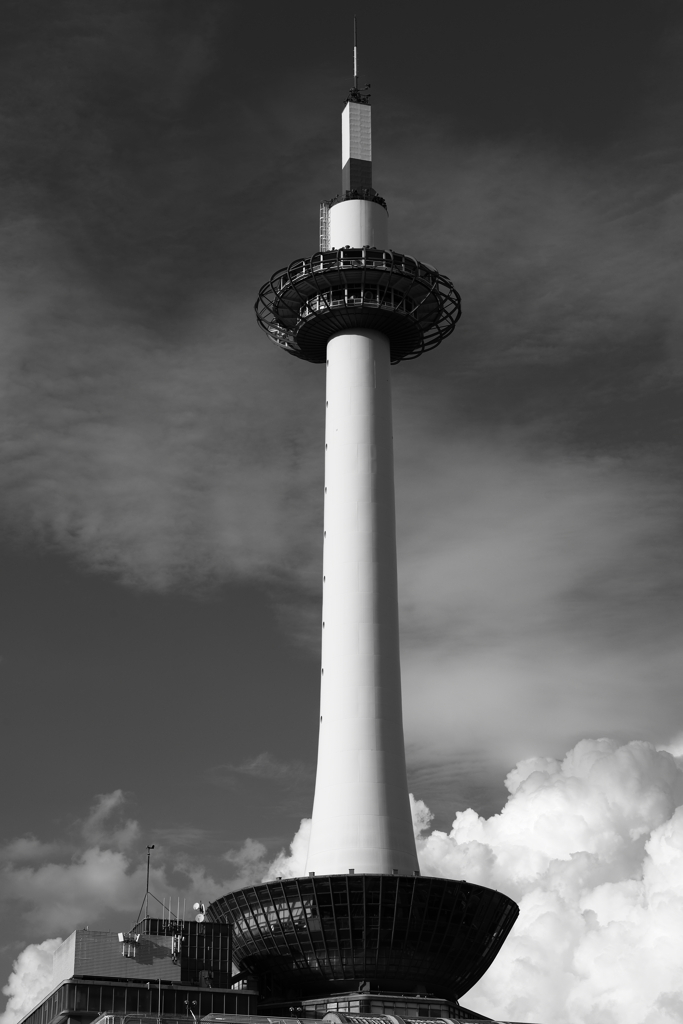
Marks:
<point>160,967</point>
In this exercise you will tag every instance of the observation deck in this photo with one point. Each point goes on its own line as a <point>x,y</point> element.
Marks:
<point>304,304</point>
<point>301,937</point>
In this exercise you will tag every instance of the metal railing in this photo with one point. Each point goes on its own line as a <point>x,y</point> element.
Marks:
<point>305,303</point>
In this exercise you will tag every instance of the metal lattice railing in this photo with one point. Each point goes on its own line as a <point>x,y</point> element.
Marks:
<point>304,304</point>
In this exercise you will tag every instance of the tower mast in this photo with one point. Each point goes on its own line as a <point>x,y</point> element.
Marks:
<point>361,916</point>
<point>361,811</point>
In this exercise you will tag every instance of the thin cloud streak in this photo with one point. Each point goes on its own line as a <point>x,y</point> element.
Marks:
<point>262,766</point>
<point>557,258</point>
<point>163,464</point>
<point>538,599</point>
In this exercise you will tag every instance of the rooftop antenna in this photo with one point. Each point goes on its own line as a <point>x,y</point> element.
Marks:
<point>149,854</point>
<point>145,899</point>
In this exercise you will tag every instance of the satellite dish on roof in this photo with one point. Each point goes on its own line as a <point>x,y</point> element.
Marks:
<point>199,918</point>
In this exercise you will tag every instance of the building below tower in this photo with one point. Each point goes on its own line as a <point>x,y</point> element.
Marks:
<point>161,967</point>
<point>169,972</point>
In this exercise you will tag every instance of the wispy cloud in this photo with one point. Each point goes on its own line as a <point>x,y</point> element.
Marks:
<point>263,766</point>
<point>537,597</point>
<point>535,451</point>
<point>184,835</point>
<point>97,827</point>
<point>27,849</point>
<point>101,875</point>
<point>162,465</point>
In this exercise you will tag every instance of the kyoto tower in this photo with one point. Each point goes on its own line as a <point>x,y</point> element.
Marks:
<point>361,919</point>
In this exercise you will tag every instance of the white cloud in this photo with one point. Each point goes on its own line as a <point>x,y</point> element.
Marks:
<point>28,848</point>
<point>592,849</point>
<point>30,980</point>
<point>292,864</point>
<point>66,895</point>
<point>64,886</point>
<point>101,880</point>
<point>251,861</point>
<point>96,828</point>
<point>590,846</point>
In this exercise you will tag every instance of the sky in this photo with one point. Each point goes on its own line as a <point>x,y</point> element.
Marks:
<point>161,466</point>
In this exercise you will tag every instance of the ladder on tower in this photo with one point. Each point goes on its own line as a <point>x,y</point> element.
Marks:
<point>324,226</point>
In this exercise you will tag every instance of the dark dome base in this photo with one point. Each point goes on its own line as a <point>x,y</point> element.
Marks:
<point>304,937</point>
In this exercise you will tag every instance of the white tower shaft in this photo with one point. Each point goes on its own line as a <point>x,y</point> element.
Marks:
<point>361,811</point>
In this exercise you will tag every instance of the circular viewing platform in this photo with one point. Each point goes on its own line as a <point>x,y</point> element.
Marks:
<point>304,304</point>
<point>302,937</point>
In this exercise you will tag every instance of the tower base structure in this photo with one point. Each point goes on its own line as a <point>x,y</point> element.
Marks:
<point>306,939</point>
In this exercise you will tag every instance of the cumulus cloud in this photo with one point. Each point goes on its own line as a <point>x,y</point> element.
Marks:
<point>250,860</point>
<point>100,878</point>
<point>293,863</point>
<point>30,980</point>
<point>591,847</point>
<point>63,896</point>
<point>62,886</point>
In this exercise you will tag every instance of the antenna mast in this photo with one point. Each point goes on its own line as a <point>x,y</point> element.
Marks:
<point>357,95</point>
<point>149,854</point>
<point>355,53</point>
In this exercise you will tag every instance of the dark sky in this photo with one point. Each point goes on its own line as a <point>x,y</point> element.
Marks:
<point>161,463</point>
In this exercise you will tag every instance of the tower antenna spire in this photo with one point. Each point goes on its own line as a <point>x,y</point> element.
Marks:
<point>355,52</point>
